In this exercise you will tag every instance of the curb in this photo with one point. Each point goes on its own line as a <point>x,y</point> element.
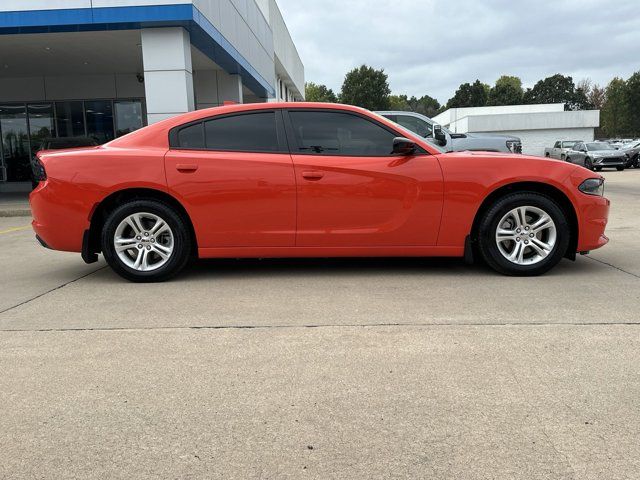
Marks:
<point>15,212</point>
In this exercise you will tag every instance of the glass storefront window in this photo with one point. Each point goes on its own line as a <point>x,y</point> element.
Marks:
<point>41,124</point>
<point>128,116</point>
<point>70,119</point>
<point>99,115</point>
<point>16,158</point>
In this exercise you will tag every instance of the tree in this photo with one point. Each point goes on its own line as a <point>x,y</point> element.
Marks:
<point>319,93</point>
<point>633,104</point>
<point>506,91</point>
<point>596,97</point>
<point>615,112</point>
<point>425,105</point>
<point>557,89</point>
<point>366,87</point>
<point>399,103</point>
<point>470,95</point>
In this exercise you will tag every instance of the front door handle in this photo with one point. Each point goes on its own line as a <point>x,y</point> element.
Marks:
<point>312,175</point>
<point>186,167</point>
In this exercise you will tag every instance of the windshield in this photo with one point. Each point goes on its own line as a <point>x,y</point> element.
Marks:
<point>599,146</point>
<point>569,144</point>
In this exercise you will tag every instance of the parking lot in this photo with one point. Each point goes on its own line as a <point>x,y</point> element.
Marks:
<point>351,368</point>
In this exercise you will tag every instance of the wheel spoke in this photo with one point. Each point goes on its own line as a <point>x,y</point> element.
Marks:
<point>145,260</point>
<point>543,223</point>
<point>503,235</point>
<point>123,244</point>
<point>164,252</point>
<point>543,249</point>
<point>517,253</point>
<point>521,216</point>
<point>135,223</point>
<point>159,227</point>
<point>138,261</point>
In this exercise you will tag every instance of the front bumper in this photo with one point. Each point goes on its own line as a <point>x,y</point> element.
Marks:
<point>594,215</point>
<point>610,162</point>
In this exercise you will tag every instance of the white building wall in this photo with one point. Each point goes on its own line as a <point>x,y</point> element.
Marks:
<point>454,114</point>
<point>535,141</point>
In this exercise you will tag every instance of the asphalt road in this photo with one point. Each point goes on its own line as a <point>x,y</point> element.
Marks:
<point>323,368</point>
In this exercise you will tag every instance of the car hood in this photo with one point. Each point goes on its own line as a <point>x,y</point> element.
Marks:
<point>605,153</point>
<point>492,135</point>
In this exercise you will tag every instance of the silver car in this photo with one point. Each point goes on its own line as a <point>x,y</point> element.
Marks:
<point>596,156</point>
<point>632,151</point>
<point>486,142</point>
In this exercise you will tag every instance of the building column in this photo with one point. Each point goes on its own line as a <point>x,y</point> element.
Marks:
<point>168,75</point>
<point>205,83</point>
<point>229,87</point>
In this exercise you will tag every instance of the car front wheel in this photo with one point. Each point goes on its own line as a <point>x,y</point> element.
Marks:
<point>524,234</point>
<point>146,241</point>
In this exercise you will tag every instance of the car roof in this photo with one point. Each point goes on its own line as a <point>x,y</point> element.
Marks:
<point>156,135</point>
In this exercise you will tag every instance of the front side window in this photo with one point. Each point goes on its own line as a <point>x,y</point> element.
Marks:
<point>337,133</point>
<point>253,132</point>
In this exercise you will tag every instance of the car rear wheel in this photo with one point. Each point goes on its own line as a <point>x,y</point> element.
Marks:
<point>620,169</point>
<point>598,169</point>
<point>524,234</point>
<point>146,241</point>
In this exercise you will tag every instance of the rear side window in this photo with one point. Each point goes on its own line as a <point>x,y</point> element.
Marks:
<point>251,132</point>
<point>191,137</point>
<point>255,132</point>
<point>336,133</point>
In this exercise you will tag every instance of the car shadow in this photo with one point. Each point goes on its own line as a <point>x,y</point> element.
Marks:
<point>278,267</point>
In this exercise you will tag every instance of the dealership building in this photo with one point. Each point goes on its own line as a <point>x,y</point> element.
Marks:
<point>103,68</point>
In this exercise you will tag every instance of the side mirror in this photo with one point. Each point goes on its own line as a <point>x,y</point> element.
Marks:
<point>403,146</point>
<point>439,135</point>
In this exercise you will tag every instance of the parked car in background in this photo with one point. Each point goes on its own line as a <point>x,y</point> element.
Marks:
<point>560,149</point>
<point>596,156</point>
<point>61,143</point>
<point>308,180</point>
<point>632,151</point>
<point>454,142</point>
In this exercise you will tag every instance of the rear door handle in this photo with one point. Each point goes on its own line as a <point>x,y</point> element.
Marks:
<point>186,167</point>
<point>309,175</point>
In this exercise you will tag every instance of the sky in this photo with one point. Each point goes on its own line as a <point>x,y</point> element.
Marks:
<point>431,47</point>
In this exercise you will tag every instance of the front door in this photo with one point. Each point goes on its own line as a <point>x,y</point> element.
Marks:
<point>353,192</point>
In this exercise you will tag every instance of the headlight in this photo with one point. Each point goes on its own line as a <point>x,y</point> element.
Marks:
<point>592,186</point>
<point>514,146</point>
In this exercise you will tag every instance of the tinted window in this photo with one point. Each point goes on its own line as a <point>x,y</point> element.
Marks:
<point>335,133</point>
<point>415,124</point>
<point>255,132</point>
<point>191,137</point>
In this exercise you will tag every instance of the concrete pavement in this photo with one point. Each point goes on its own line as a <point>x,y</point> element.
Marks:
<point>338,368</point>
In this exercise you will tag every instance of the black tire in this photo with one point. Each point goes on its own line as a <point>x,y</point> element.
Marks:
<point>620,169</point>
<point>488,226</point>
<point>182,241</point>
<point>598,169</point>
<point>568,159</point>
<point>547,154</point>
<point>588,164</point>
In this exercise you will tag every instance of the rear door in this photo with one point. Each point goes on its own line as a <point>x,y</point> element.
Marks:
<point>235,176</point>
<point>352,191</point>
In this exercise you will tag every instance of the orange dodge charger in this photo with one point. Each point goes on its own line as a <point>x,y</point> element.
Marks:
<point>308,180</point>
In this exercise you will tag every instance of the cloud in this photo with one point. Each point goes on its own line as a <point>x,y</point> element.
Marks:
<point>431,47</point>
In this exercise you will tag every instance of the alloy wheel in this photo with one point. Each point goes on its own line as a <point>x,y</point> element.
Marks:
<point>526,235</point>
<point>143,242</point>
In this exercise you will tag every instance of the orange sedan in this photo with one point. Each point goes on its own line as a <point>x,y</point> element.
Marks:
<point>308,180</point>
